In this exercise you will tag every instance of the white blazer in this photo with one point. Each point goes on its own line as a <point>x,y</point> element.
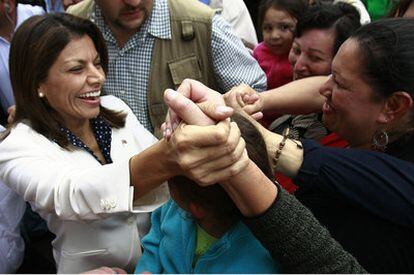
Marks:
<point>88,206</point>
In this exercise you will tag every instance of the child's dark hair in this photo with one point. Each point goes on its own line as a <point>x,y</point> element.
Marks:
<point>342,17</point>
<point>294,8</point>
<point>213,198</point>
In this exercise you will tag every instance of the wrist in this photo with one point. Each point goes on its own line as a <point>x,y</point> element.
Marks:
<point>167,159</point>
<point>265,98</point>
<point>251,191</point>
<point>285,155</point>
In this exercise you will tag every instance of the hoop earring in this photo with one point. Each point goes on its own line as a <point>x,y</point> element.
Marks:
<point>380,140</point>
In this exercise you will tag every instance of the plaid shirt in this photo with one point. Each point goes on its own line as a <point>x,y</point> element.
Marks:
<point>129,67</point>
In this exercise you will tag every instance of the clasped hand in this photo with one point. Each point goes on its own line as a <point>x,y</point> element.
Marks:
<point>205,151</point>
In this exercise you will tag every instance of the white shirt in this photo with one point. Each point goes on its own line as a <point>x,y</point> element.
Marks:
<point>88,206</point>
<point>236,13</point>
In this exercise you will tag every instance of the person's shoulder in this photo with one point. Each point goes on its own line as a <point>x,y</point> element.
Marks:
<point>22,127</point>
<point>190,9</point>
<point>171,210</point>
<point>234,8</point>
<point>22,135</point>
<point>114,103</point>
<point>26,10</point>
<point>82,9</point>
<point>260,47</point>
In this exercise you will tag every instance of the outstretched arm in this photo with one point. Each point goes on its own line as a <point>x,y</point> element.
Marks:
<point>297,97</point>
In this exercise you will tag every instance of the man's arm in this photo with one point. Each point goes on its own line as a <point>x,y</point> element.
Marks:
<point>232,62</point>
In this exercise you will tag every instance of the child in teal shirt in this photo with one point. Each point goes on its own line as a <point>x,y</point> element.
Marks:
<point>200,230</point>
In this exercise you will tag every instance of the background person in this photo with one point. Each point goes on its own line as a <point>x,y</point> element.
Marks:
<point>277,19</point>
<point>12,15</point>
<point>11,242</point>
<point>319,34</point>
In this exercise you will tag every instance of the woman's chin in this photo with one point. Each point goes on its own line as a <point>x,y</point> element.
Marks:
<point>329,122</point>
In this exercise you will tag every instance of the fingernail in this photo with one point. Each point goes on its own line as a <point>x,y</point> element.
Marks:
<point>224,110</point>
<point>174,126</point>
<point>170,94</point>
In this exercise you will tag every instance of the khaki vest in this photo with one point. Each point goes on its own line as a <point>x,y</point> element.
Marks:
<point>186,55</point>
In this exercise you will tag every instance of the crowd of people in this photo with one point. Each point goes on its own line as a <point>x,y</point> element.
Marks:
<point>163,136</point>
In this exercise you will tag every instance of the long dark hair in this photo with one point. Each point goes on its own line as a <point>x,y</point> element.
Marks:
<point>34,49</point>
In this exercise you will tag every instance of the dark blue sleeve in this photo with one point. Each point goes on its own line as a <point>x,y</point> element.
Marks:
<point>382,184</point>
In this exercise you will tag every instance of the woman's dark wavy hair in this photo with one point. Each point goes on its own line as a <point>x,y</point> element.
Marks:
<point>213,198</point>
<point>34,49</point>
<point>387,55</point>
<point>342,17</point>
<point>294,8</point>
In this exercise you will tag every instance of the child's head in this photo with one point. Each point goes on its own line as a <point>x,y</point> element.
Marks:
<point>213,201</point>
<point>277,19</point>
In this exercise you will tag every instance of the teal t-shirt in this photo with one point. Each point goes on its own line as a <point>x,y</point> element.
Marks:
<point>203,243</point>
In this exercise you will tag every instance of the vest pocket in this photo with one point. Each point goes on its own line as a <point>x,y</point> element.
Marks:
<point>186,67</point>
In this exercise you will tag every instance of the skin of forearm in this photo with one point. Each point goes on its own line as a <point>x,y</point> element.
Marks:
<point>251,199</point>
<point>147,174</point>
<point>291,157</point>
<point>297,97</point>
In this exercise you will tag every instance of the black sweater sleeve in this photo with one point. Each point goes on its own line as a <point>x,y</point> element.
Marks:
<point>298,242</point>
<point>378,182</point>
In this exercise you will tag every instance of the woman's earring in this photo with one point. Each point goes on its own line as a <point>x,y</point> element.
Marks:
<point>41,94</point>
<point>380,140</point>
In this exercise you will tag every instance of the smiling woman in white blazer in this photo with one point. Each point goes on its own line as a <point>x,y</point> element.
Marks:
<point>83,160</point>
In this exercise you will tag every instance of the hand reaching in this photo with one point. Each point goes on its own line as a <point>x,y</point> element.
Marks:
<point>243,97</point>
<point>194,103</point>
